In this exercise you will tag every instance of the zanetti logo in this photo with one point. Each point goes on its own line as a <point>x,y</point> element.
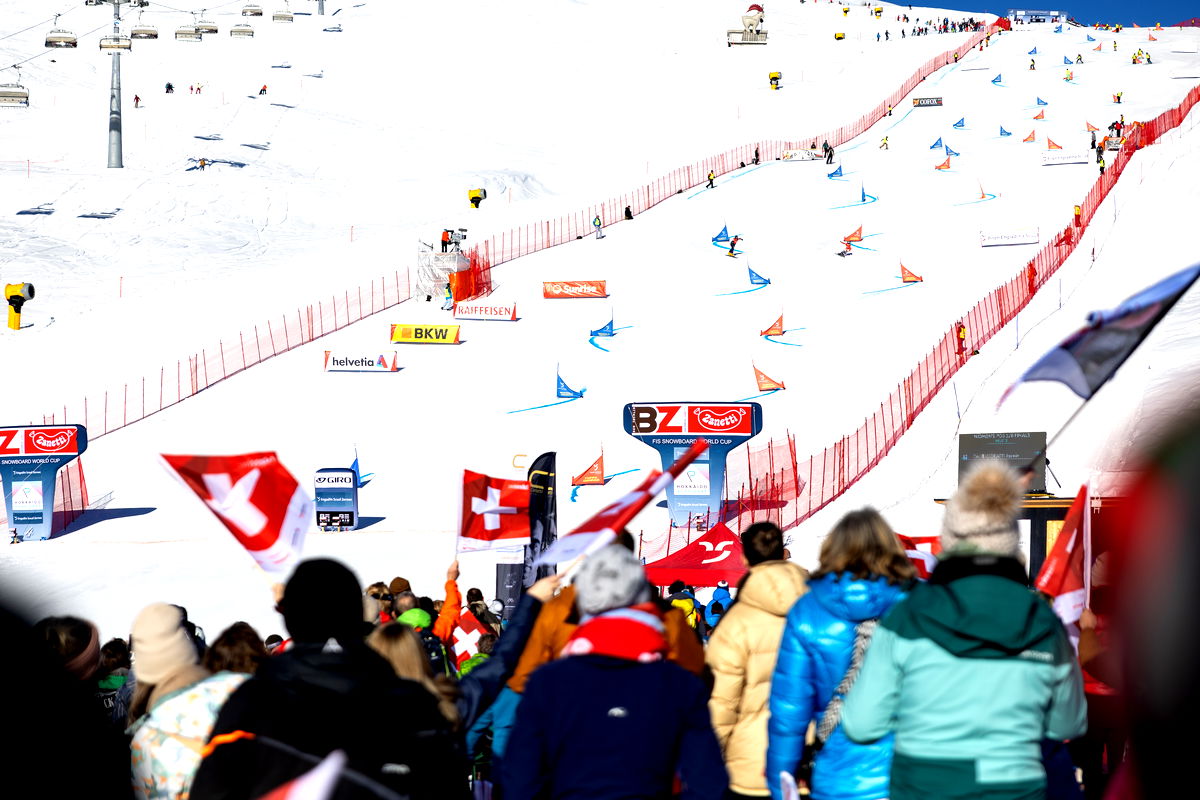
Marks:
<point>50,440</point>
<point>718,420</point>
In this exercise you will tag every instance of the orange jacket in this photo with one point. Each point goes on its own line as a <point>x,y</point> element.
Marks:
<point>443,626</point>
<point>552,629</point>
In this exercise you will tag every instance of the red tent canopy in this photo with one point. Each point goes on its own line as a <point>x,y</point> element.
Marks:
<point>715,556</point>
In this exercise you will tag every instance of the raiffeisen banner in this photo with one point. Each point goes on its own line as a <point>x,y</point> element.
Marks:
<point>347,362</point>
<point>486,309</point>
<point>335,498</point>
<point>30,458</point>
<point>671,428</point>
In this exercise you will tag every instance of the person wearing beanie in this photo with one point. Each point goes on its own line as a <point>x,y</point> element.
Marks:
<point>718,605</point>
<point>313,698</point>
<point>554,626</point>
<point>973,670</point>
<point>174,705</point>
<point>638,720</point>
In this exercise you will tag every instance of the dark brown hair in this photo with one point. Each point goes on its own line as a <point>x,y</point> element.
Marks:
<point>762,541</point>
<point>239,648</point>
<point>864,545</point>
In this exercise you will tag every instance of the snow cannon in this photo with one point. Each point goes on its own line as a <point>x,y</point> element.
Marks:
<point>476,196</point>
<point>776,78</point>
<point>17,295</point>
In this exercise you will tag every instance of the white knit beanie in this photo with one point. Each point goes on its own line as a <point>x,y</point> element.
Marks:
<point>612,577</point>
<point>981,517</point>
<point>161,647</point>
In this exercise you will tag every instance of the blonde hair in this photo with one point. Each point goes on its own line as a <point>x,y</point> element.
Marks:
<point>401,647</point>
<point>864,545</point>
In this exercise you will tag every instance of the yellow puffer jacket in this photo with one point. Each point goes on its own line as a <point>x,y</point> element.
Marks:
<point>741,654</point>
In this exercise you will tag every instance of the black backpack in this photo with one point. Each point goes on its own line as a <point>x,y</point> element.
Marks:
<point>435,652</point>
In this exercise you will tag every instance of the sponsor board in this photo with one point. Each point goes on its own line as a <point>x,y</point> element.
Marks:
<point>30,457</point>
<point>340,362</point>
<point>671,428</point>
<point>560,289</point>
<point>801,155</point>
<point>424,334</point>
<point>335,498</point>
<point>923,102</point>
<point>1014,236</point>
<point>1062,157</point>
<point>486,310</point>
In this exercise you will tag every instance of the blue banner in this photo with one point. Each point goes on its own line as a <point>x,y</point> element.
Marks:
<point>30,458</point>
<point>671,428</point>
<point>335,498</point>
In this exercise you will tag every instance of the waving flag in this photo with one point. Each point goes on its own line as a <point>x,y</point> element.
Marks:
<point>922,551</point>
<point>256,499</point>
<point>1061,575</point>
<point>543,514</point>
<point>467,634</point>
<point>1088,358</point>
<point>495,513</point>
<point>603,527</point>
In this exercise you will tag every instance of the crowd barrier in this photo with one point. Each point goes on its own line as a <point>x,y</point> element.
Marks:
<point>104,412</point>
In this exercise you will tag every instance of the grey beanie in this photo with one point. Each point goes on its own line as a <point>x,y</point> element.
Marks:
<point>612,577</point>
<point>981,517</point>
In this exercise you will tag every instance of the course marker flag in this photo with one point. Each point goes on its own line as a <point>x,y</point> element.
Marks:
<point>756,279</point>
<point>776,328</point>
<point>1040,115</point>
<point>854,237</point>
<point>996,80</point>
<point>837,173</point>
<point>1091,127</point>
<point>950,152</point>
<point>1050,145</point>
<point>593,475</point>
<point>936,144</point>
<point>1004,132</point>
<point>944,165</point>
<point>1042,102</point>
<point>907,276</point>
<point>1032,137</point>
<point>961,123</point>
<point>766,384</point>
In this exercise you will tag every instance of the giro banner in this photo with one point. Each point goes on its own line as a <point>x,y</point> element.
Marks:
<point>30,457</point>
<point>425,334</point>
<point>335,496</point>
<point>486,310</point>
<point>552,290</point>
<point>671,428</point>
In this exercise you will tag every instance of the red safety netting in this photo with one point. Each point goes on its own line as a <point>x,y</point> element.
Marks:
<point>70,497</point>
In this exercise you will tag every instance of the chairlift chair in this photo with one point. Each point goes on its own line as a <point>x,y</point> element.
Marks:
<point>241,32</point>
<point>61,38</point>
<point>144,32</point>
<point>252,11</point>
<point>139,3</point>
<point>116,43</point>
<point>14,94</point>
<point>206,26</point>
<point>188,33</point>
<point>282,16</point>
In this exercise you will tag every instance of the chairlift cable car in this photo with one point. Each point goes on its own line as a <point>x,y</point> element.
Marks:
<point>14,94</point>
<point>283,15</point>
<point>60,37</point>
<point>141,30</point>
<point>188,33</point>
<point>241,32</point>
<point>252,11</point>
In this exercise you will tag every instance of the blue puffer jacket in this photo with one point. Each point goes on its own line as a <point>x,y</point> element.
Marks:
<point>818,639</point>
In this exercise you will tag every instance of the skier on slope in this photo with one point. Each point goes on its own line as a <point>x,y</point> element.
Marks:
<point>732,244</point>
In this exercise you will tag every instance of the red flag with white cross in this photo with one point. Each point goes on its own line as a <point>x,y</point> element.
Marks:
<point>922,551</point>
<point>466,635</point>
<point>495,513</point>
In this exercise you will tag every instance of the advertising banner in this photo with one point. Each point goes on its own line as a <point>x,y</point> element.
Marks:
<point>335,496</point>
<point>425,334</point>
<point>1051,158</point>
<point>670,428</point>
<point>995,238</point>
<point>923,102</point>
<point>30,458</point>
<point>343,362</point>
<point>474,309</point>
<point>559,289</point>
<point>802,155</point>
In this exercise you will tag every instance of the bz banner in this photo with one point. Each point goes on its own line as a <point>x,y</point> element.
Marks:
<point>671,428</point>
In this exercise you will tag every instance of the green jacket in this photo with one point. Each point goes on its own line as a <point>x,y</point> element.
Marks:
<point>971,672</point>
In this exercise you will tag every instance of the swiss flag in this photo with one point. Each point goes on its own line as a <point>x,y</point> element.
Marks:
<point>256,499</point>
<point>922,551</point>
<point>466,637</point>
<point>495,513</point>
<point>1061,575</point>
<point>603,527</point>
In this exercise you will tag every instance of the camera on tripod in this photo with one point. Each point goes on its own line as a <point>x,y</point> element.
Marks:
<point>458,237</point>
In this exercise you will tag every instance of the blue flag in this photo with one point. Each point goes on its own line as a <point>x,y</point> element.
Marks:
<point>863,189</point>
<point>1004,132</point>
<point>936,144</point>
<point>756,279</point>
<point>1066,61</point>
<point>1042,102</point>
<point>996,80</point>
<point>961,123</point>
<point>723,236</point>
<point>606,330</point>
<point>1090,39</point>
<point>567,391</point>
<point>360,478</point>
<point>837,173</point>
<point>950,152</point>
<point>1087,359</point>
<point>1058,29</point>
<point>1033,52</point>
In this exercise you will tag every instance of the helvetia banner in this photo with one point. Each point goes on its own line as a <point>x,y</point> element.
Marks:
<point>425,334</point>
<point>335,496</point>
<point>345,362</point>
<point>671,428</point>
<point>558,289</point>
<point>473,309</point>
<point>30,458</point>
<point>1052,158</point>
<point>996,238</point>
